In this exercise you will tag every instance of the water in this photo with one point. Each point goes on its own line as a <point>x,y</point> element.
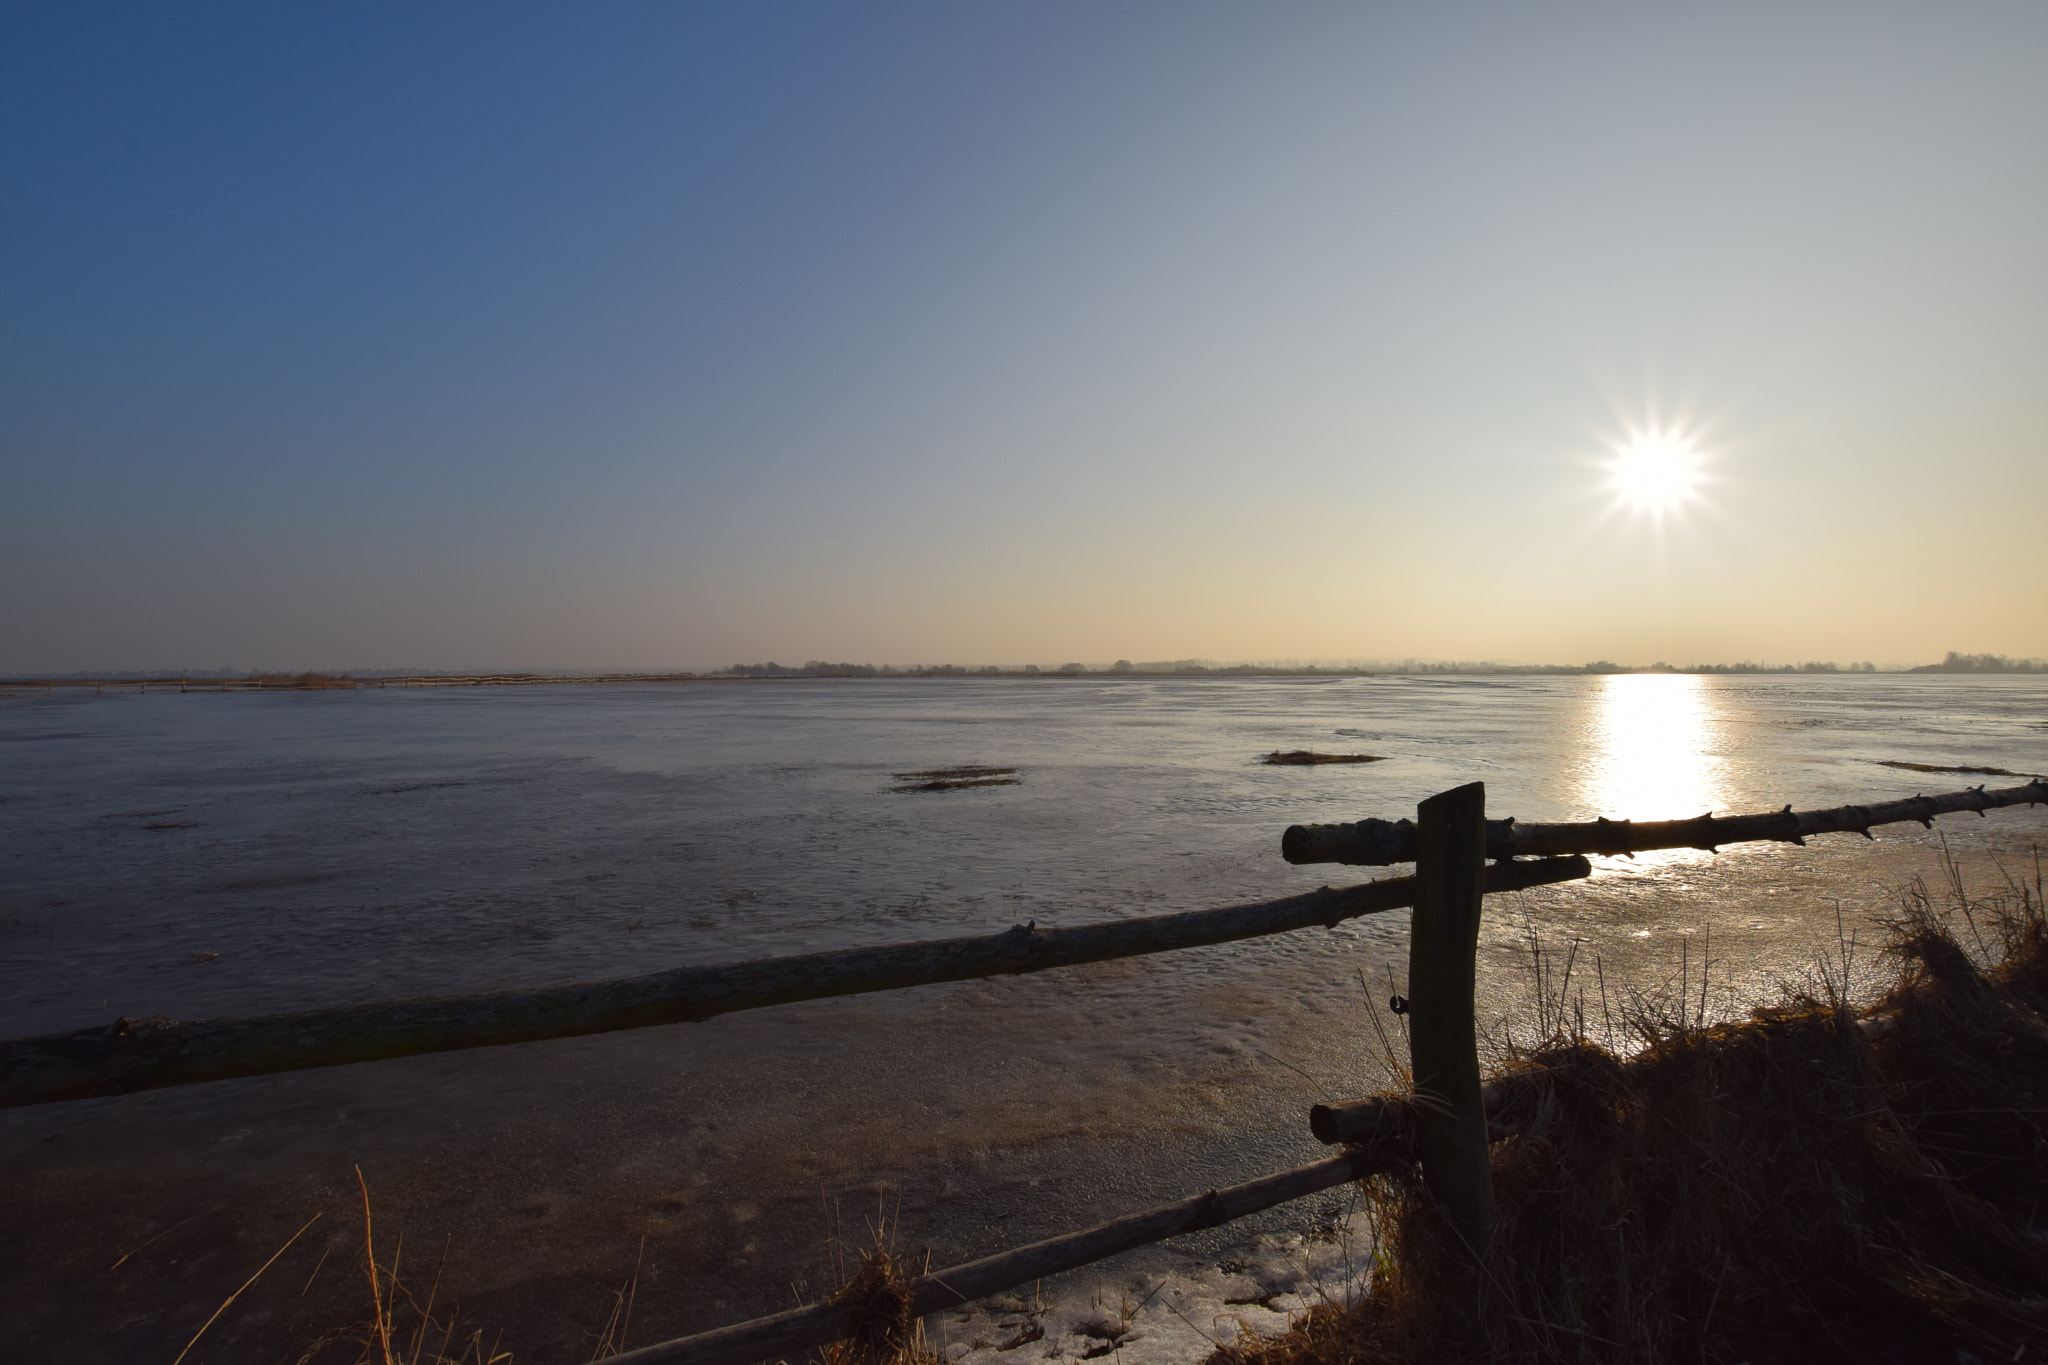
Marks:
<point>219,854</point>
<point>341,846</point>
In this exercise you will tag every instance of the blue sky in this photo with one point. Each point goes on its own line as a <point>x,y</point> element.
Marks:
<point>661,335</point>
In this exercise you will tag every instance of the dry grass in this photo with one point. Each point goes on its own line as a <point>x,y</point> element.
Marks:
<point>875,1284</point>
<point>1818,1182</point>
<point>402,1329</point>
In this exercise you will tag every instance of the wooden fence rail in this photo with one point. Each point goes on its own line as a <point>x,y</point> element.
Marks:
<point>1379,843</point>
<point>800,1329</point>
<point>145,1054</point>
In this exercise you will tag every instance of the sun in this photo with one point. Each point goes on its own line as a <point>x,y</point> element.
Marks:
<point>1656,472</point>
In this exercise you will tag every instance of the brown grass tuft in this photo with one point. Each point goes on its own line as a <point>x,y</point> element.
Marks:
<point>878,1295</point>
<point>402,1330</point>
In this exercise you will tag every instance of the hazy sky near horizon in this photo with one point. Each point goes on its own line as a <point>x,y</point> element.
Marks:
<point>664,335</point>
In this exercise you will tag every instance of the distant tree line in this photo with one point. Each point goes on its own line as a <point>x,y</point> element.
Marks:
<point>818,668</point>
<point>1983,663</point>
<point>1812,666</point>
<point>1953,662</point>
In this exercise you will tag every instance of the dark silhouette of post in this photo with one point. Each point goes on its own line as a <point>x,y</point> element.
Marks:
<point>1450,1117</point>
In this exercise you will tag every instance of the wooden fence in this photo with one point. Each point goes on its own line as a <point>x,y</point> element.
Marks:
<point>1445,1128</point>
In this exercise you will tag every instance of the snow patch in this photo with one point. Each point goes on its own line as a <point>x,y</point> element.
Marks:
<point>1173,1315</point>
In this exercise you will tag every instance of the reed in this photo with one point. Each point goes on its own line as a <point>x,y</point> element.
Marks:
<point>402,1328</point>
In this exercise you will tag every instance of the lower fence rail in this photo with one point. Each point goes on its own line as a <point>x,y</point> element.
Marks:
<point>801,1329</point>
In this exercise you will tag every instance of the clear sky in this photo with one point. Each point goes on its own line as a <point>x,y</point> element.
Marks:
<point>618,335</point>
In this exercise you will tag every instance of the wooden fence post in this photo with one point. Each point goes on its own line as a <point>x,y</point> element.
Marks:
<point>1450,1118</point>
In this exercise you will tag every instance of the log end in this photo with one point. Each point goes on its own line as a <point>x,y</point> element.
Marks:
<point>1322,1121</point>
<point>1364,843</point>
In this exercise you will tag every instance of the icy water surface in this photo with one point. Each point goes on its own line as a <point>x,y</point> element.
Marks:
<point>340,846</point>
<point>216,854</point>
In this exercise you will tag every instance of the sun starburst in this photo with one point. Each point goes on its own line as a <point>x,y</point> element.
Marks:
<point>1655,472</point>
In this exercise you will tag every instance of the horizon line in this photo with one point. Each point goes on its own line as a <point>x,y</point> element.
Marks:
<point>1954,662</point>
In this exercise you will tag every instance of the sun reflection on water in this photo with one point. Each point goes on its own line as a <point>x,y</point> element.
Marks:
<point>1653,748</point>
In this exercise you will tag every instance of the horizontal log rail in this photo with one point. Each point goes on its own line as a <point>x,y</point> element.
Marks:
<point>801,1329</point>
<point>1379,843</point>
<point>147,1054</point>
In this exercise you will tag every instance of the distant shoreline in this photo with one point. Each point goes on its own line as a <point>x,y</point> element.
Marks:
<point>315,681</point>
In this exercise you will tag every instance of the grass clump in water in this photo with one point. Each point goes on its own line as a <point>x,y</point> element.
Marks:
<point>1305,758</point>
<point>1946,768</point>
<point>951,779</point>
